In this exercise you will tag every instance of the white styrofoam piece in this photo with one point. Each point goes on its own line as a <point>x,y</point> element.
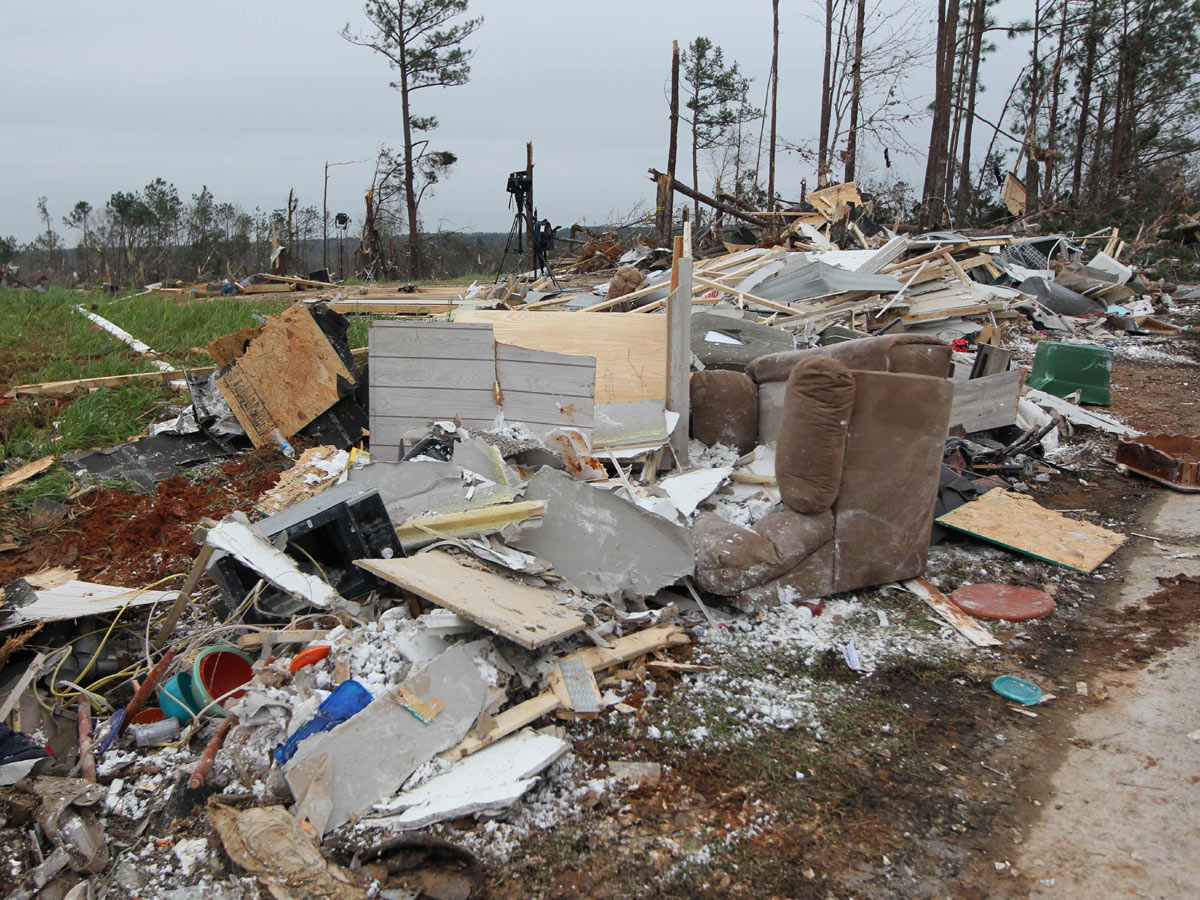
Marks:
<point>493,778</point>
<point>688,490</point>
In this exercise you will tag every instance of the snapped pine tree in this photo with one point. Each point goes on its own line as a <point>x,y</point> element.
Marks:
<point>419,43</point>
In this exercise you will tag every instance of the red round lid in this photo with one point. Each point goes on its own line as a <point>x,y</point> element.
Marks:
<point>1003,601</point>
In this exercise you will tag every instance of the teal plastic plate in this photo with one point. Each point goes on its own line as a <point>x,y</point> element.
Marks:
<point>1018,689</point>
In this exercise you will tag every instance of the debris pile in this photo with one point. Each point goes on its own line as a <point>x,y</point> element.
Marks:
<point>532,512</point>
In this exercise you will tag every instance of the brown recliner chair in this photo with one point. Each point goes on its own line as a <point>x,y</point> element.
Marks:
<point>859,430</point>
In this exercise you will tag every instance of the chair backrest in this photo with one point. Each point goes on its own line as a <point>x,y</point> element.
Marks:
<point>884,507</point>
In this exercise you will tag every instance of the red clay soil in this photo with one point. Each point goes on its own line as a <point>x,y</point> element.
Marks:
<point>132,540</point>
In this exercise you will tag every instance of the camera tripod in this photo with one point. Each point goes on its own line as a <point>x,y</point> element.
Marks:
<point>515,245</point>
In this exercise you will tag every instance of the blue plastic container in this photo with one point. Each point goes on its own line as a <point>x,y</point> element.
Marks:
<point>347,698</point>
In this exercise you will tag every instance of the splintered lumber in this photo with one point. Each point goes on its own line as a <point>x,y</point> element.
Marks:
<point>597,659</point>
<point>487,520</point>
<point>945,607</point>
<point>529,616</point>
<point>80,385</point>
<point>750,298</point>
<point>630,350</point>
<point>25,472</point>
<point>1019,523</point>
<point>303,282</point>
<point>834,201</point>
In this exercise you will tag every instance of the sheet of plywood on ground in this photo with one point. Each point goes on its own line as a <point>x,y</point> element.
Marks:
<point>286,378</point>
<point>1017,522</point>
<point>395,307</point>
<point>630,349</point>
<point>529,616</point>
<point>423,371</point>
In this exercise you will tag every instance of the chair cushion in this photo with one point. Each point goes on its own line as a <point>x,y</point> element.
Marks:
<point>811,446</point>
<point>731,559</point>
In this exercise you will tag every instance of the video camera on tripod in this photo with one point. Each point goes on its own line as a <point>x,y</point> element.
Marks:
<point>519,184</point>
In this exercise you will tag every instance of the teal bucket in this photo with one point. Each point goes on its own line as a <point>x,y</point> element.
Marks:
<point>176,698</point>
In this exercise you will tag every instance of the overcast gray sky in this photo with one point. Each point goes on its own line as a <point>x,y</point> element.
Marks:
<point>251,98</point>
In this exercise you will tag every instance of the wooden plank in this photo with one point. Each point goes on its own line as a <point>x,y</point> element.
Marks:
<point>596,659</point>
<point>25,472</point>
<point>987,402</point>
<point>572,379</point>
<point>945,607</point>
<point>31,672</point>
<point>260,386</point>
<point>529,616</point>
<point>1017,522</point>
<point>630,349</point>
<point>487,520</point>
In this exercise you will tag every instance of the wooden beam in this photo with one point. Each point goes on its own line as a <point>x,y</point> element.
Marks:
<point>475,521</point>
<point>679,357</point>
<point>710,201</point>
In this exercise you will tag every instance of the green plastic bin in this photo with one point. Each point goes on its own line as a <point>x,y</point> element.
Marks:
<point>1061,369</point>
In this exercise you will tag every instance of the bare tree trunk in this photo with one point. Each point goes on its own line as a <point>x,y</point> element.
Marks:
<point>856,87</point>
<point>774,95</point>
<point>695,155</point>
<point>410,194</point>
<point>962,46</point>
<point>1122,111</point>
<point>939,130</point>
<point>978,18</point>
<point>1093,179</point>
<point>823,162</point>
<point>666,194</point>
<point>1055,92</point>
<point>1031,159</point>
<point>1091,38</point>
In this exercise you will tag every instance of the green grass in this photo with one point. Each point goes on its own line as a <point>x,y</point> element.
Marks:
<point>179,327</point>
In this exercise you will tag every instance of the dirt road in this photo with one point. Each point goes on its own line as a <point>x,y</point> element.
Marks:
<point>1123,815</point>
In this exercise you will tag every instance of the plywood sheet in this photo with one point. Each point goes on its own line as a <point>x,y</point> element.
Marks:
<point>1019,523</point>
<point>423,371</point>
<point>286,378</point>
<point>529,616</point>
<point>630,348</point>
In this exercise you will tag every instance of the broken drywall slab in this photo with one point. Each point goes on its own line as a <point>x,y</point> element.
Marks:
<point>235,536</point>
<point>688,490</point>
<point>603,544</point>
<point>376,750</point>
<point>529,616</point>
<point>429,487</point>
<point>637,422</point>
<point>478,456</point>
<point>487,781</point>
